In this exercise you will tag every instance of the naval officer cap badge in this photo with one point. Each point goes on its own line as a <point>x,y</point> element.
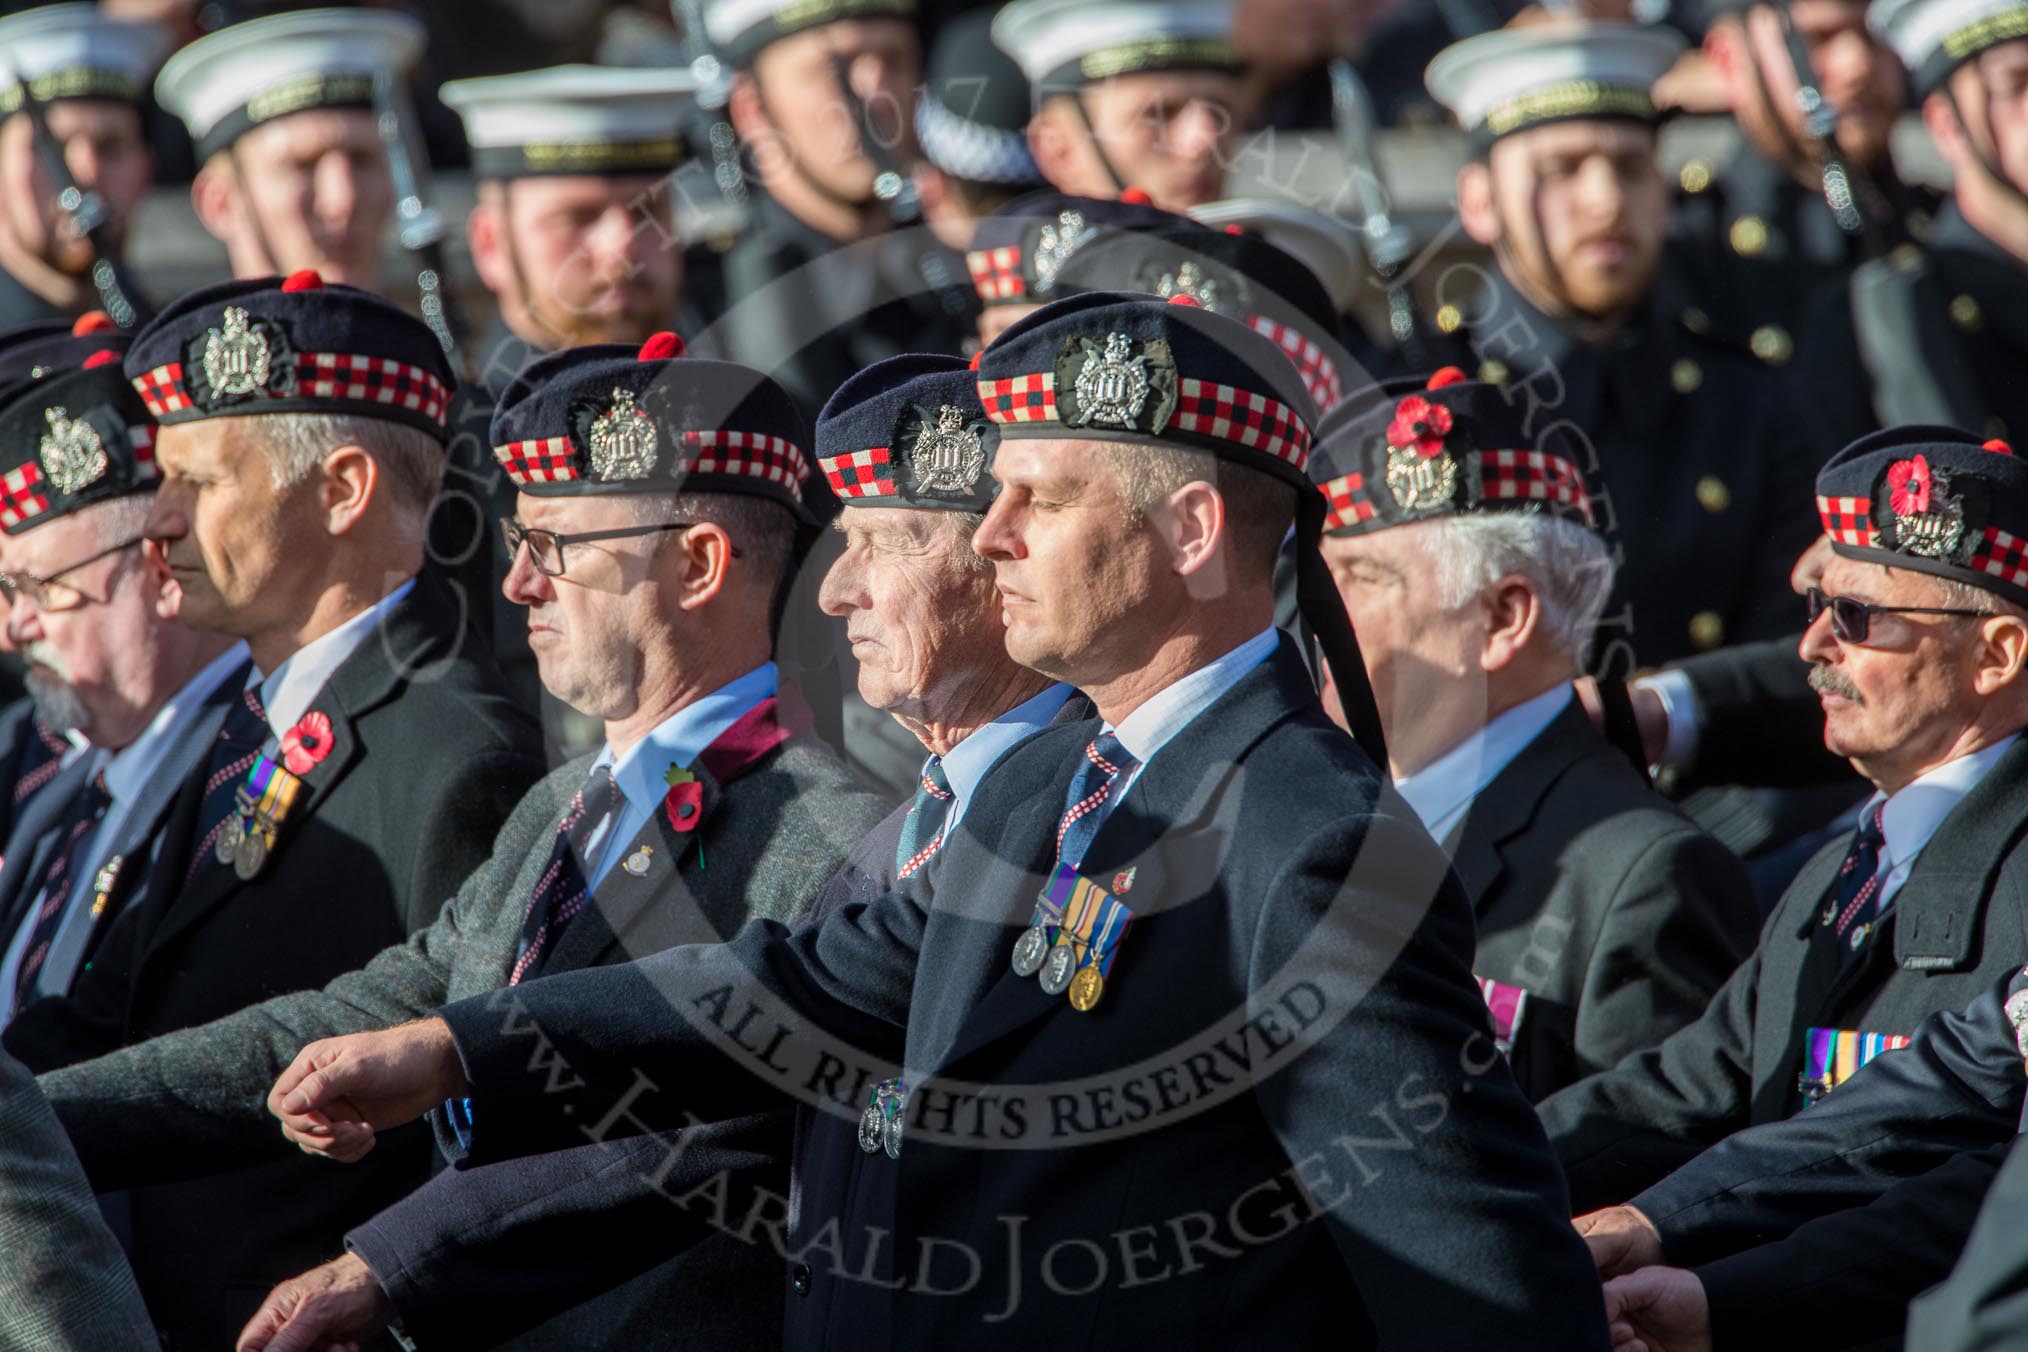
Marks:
<point>909,432</point>
<point>1932,499</point>
<point>618,418</point>
<point>72,438</point>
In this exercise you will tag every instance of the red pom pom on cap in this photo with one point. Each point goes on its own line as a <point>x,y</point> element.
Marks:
<point>100,359</point>
<point>1449,375</point>
<point>1180,299</point>
<point>1235,230</point>
<point>1998,445</point>
<point>93,321</point>
<point>1139,197</point>
<point>974,363</point>
<point>661,347</point>
<point>306,280</point>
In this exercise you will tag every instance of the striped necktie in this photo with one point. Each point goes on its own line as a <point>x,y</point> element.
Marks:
<point>41,757</point>
<point>59,880</point>
<point>929,814</point>
<point>1859,877</point>
<point>1105,761</point>
<point>562,890</point>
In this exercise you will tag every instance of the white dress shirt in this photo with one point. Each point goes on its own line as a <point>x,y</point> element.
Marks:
<point>1173,708</point>
<point>1443,790</point>
<point>290,689</point>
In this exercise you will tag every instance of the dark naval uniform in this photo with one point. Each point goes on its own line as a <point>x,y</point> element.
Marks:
<point>1702,488</point>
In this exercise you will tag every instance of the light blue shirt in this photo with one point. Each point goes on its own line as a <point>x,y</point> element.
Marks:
<point>1913,815</point>
<point>966,765</point>
<point>1443,790</point>
<point>1148,729</point>
<point>675,742</point>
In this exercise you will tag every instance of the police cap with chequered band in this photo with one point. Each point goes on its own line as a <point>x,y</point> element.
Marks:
<point>971,118</point>
<point>1019,250</point>
<point>1935,37</point>
<point>1111,367</point>
<point>611,418</point>
<point>1932,499</point>
<point>1512,79</point>
<point>290,345</point>
<point>909,432</point>
<point>72,437</point>
<point>1409,450</point>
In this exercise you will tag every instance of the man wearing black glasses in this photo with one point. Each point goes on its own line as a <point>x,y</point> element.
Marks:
<point>82,599</point>
<point>1918,645</point>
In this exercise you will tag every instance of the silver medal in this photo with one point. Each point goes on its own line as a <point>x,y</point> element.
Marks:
<point>1029,951</point>
<point>230,832</point>
<point>1057,969</point>
<point>251,856</point>
<point>890,1136</point>
<point>870,1128</point>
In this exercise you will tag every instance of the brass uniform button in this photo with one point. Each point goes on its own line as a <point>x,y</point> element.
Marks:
<point>1749,236</point>
<point>1965,313</point>
<point>1686,375</point>
<point>1772,344</point>
<point>1448,318</point>
<point>1707,629</point>
<point>1494,371</point>
<point>1696,176</point>
<point>1712,494</point>
<point>1696,320</point>
<point>1906,257</point>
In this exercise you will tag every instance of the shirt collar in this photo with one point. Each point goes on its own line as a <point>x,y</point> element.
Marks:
<point>288,692</point>
<point>135,763</point>
<point>1168,711</point>
<point>966,764</point>
<point>1913,814</point>
<point>681,737</point>
<point>1448,784</point>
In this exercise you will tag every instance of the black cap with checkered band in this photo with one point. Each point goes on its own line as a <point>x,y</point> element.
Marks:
<point>1112,367</point>
<point>1932,499</point>
<point>909,432</point>
<point>1019,250</point>
<point>55,345</point>
<point>73,437</point>
<point>290,345</point>
<point>1410,449</point>
<point>611,418</point>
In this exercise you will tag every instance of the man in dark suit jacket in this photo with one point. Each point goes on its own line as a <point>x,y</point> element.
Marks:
<point>1301,959</point>
<point>720,814</point>
<point>357,778</point>
<point>1605,918</point>
<point>1922,907</point>
<point>541,1235</point>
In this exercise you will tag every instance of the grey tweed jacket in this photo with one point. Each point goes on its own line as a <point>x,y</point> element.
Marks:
<point>63,1282</point>
<point>194,1102</point>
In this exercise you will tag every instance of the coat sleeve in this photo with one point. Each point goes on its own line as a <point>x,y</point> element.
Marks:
<point>1983,1307</point>
<point>1403,1120</point>
<point>1760,723</point>
<point>64,1285</point>
<point>464,816</point>
<point>194,1101</point>
<point>1622,1129</point>
<point>1681,920</point>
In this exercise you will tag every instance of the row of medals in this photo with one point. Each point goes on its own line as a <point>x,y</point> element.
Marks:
<point>243,837</point>
<point>880,1124</point>
<point>1059,968</point>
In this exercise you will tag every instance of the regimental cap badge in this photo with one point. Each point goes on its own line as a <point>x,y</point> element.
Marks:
<point>1189,281</point>
<point>236,357</point>
<point>1929,519</point>
<point>73,454</point>
<point>1118,383</point>
<point>948,456</point>
<point>1058,243</point>
<point>1422,473</point>
<point>623,440</point>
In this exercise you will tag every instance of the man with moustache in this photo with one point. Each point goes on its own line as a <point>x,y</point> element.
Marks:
<point>1149,470</point>
<point>646,569</point>
<point>924,620</point>
<point>1131,93</point>
<point>1700,489</point>
<point>292,173</point>
<point>359,774</point>
<point>1918,638</point>
<point>1755,234</point>
<point>89,606</point>
<point>90,75</point>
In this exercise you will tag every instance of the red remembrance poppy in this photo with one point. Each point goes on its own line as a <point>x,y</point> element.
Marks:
<point>685,804</point>
<point>1420,424</point>
<point>1908,486</point>
<point>304,745</point>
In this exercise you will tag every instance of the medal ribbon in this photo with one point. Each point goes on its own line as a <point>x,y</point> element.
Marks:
<point>1833,1055</point>
<point>1086,903</point>
<point>271,790</point>
<point>1113,926</point>
<point>1049,903</point>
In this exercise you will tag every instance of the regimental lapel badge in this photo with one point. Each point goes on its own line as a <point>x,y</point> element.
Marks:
<point>1928,518</point>
<point>1123,881</point>
<point>236,357</point>
<point>73,455</point>
<point>1422,474</point>
<point>108,877</point>
<point>1116,383</point>
<point>1057,244</point>
<point>1189,280</point>
<point>948,456</point>
<point>623,440</point>
<point>638,862</point>
<point>2017,1013</point>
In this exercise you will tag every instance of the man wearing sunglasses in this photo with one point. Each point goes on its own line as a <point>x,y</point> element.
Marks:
<point>84,599</point>
<point>660,501</point>
<point>1918,645</point>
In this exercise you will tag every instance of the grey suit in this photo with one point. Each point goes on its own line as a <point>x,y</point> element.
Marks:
<point>766,843</point>
<point>63,1282</point>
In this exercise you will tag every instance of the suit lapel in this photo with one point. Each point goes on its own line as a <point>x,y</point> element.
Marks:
<point>28,847</point>
<point>1506,807</point>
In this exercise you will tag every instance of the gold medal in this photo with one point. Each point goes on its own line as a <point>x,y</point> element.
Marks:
<point>1086,988</point>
